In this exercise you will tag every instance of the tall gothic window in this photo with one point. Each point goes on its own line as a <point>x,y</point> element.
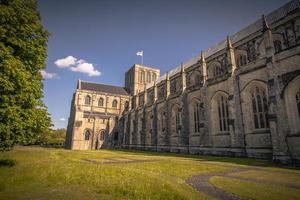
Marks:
<point>114,103</point>
<point>298,101</point>
<point>223,113</point>
<point>259,108</point>
<point>177,121</point>
<point>101,102</point>
<point>87,135</point>
<point>197,110</point>
<point>87,100</point>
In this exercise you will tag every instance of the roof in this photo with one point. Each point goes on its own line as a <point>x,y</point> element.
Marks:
<point>82,85</point>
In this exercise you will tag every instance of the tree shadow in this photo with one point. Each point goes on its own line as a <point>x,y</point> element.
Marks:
<point>7,163</point>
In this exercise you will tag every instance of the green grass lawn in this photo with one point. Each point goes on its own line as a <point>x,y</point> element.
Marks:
<point>44,173</point>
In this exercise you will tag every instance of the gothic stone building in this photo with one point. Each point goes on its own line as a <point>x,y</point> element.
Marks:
<point>238,98</point>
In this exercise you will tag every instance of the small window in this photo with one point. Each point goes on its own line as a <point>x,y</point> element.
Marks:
<point>101,102</point>
<point>114,103</point>
<point>173,87</point>
<point>102,135</point>
<point>277,46</point>
<point>87,135</point>
<point>241,60</point>
<point>126,106</point>
<point>197,79</point>
<point>217,70</point>
<point>87,100</point>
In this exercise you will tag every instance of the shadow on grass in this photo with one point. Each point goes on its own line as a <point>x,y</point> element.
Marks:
<point>7,163</point>
<point>232,160</point>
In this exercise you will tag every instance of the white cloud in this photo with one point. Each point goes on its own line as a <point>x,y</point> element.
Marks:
<point>86,68</point>
<point>62,119</point>
<point>77,65</point>
<point>65,62</point>
<point>48,75</point>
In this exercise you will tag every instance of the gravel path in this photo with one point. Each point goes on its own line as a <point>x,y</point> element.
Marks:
<point>202,184</point>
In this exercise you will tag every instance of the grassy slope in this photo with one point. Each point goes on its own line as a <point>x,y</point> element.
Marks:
<point>60,174</point>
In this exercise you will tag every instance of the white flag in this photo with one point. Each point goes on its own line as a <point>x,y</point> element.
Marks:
<point>140,53</point>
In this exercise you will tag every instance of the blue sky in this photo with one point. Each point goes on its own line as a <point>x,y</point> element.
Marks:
<point>103,36</point>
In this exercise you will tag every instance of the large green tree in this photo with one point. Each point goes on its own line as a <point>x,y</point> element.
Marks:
<point>23,45</point>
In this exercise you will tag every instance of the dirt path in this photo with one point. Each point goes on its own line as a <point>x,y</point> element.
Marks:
<point>202,184</point>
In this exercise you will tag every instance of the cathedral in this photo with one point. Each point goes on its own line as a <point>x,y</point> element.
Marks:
<point>238,98</point>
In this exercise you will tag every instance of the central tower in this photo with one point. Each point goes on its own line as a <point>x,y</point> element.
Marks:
<point>138,76</point>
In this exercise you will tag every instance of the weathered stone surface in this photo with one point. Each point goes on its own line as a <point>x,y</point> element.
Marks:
<point>240,98</point>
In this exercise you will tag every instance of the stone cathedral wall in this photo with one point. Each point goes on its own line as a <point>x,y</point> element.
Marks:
<point>238,98</point>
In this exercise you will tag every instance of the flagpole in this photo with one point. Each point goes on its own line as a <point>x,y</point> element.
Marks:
<point>142,59</point>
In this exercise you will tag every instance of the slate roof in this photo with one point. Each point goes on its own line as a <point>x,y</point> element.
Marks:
<point>102,88</point>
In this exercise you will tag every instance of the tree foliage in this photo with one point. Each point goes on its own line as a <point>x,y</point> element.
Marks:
<point>23,43</point>
<point>53,138</point>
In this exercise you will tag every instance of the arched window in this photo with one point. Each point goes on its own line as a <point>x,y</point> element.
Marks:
<point>197,79</point>
<point>277,46</point>
<point>259,108</point>
<point>101,102</point>
<point>87,100</point>
<point>194,78</point>
<point>114,103</point>
<point>142,77</point>
<point>173,86</point>
<point>126,106</point>
<point>223,113</point>
<point>197,110</point>
<point>102,135</point>
<point>298,101</point>
<point>148,77</point>
<point>87,135</point>
<point>153,77</point>
<point>217,70</point>
<point>292,103</point>
<point>241,60</point>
